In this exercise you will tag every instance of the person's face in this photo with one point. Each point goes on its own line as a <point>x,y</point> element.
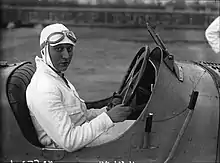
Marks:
<point>61,56</point>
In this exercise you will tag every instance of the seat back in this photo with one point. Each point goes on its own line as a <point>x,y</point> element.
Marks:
<point>16,91</point>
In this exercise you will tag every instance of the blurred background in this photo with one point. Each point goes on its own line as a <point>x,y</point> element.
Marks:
<point>177,3</point>
<point>109,33</point>
<point>174,13</point>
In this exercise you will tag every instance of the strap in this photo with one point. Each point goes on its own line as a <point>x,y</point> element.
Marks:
<point>65,80</point>
<point>62,75</point>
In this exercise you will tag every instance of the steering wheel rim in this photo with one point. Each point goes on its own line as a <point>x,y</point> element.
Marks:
<point>132,79</point>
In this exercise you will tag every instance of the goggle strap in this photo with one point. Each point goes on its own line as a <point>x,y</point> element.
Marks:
<point>43,45</point>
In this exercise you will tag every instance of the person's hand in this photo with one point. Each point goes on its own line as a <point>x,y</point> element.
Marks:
<point>116,100</point>
<point>119,113</point>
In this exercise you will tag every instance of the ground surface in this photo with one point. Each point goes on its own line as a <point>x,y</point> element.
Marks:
<point>102,55</point>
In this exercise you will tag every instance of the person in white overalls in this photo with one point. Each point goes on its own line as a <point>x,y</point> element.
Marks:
<point>59,115</point>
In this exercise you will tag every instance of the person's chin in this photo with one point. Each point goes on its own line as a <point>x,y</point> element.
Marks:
<point>63,67</point>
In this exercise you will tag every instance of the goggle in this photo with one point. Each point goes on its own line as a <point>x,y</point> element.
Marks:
<point>57,37</point>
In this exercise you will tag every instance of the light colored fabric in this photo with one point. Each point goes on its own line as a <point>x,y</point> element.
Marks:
<point>46,56</point>
<point>47,31</point>
<point>113,133</point>
<point>212,34</point>
<point>59,115</point>
<point>52,29</point>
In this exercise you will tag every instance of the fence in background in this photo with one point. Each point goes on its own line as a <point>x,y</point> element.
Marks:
<point>108,17</point>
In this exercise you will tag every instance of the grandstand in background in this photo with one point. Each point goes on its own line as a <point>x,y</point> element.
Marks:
<point>179,4</point>
<point>191,14</point>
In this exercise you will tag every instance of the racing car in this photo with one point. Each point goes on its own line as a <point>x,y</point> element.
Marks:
<point>176,113</point>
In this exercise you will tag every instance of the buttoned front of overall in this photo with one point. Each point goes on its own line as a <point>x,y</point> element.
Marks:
<point>75,106</point>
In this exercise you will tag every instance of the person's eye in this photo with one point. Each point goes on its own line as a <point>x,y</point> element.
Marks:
<point>59,49</point>
<point>70,49</point>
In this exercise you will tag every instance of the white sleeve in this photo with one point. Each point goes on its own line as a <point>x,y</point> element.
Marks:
<point>212,35</point>
<point>92,113</point>
<point>54,119</point>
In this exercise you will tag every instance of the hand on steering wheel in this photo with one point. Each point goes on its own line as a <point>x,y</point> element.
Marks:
<point>115,100</point>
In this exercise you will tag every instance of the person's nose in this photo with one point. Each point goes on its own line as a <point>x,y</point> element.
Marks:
<point>65,54</point>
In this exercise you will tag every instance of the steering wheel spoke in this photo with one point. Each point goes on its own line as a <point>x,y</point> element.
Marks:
<point>140,58</point>
<point>131,80</point>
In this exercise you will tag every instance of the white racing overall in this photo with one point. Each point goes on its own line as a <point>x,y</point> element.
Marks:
<point>60,116</point>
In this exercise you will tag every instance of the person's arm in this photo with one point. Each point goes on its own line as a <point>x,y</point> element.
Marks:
<point>92,113</point>
<point>116,100</point>
<point>54,119</point>
<point>212,34</point>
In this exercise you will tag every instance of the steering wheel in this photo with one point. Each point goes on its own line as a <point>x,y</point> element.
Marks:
<point>134,75</point>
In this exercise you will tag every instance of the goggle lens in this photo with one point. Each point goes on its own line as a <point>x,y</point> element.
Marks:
<point>71,36</point>
<point>59,36</point>
<point>55,38</point>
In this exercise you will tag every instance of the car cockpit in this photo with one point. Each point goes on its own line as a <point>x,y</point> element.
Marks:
<point>20,78</point>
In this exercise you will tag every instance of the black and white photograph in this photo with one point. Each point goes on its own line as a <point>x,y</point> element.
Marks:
<point>110,81</point>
